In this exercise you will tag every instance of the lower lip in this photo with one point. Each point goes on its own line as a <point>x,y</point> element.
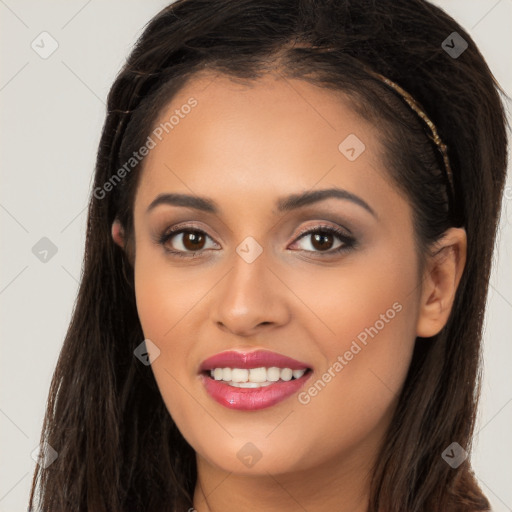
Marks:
<point>251,399</point>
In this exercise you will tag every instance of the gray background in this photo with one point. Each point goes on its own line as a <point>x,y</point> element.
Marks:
<point>52,113</point>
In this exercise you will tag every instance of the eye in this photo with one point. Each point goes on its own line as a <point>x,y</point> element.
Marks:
<point>187,241</point>
<point>322,239</point>
<point>190,242</point>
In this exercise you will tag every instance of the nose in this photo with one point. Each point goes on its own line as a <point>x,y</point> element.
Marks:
<point>250,298</point>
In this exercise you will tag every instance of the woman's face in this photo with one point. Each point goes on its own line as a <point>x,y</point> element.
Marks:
<point>256,283</point>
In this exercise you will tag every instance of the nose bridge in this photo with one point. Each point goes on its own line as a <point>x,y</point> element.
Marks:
<point>250,294</point>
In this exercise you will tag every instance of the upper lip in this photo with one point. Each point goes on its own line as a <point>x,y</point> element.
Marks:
<point>254,359</point>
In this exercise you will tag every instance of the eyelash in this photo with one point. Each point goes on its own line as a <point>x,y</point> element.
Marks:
<point>348,241</point>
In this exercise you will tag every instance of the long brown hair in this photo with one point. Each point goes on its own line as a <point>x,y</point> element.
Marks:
<point>118,447</point>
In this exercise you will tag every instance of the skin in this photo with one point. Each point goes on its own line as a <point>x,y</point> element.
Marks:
<point>244,147</point>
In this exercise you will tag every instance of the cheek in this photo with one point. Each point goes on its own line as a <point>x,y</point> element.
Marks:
<point>370,313</point>
<point>165,302</point>
<point>352,398</point>
<point>169,302</point>
<point>372,295</point>
<point>164,295</point>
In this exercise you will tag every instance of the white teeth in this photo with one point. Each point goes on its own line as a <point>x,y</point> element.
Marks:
<point>286,374</point>
<point>242,377</point>
<point>239,375</point>
<point>249,384</point>
<point>257,374</point>
<point>226,374</point>
<point>297,374</point>
<point>273,374</point>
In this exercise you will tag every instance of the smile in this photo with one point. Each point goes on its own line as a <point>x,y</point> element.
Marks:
<point>252,380</point>
<point>255,377</point>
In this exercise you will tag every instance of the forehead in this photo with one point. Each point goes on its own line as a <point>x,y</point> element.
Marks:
<point>262,139</point>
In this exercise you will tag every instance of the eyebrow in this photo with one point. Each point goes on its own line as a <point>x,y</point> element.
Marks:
<point>284,204</point>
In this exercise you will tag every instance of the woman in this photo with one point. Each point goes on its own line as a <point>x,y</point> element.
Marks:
<point>287,261</point>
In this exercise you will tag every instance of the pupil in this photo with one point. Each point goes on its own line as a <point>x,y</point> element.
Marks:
<point>194,239</point>
<point>322,240</point>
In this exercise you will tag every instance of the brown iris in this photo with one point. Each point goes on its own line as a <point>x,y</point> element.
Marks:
<point>319,241</point>
<point>193,240</point>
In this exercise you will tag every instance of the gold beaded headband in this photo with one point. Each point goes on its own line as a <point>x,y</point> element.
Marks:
<point>435,136</point>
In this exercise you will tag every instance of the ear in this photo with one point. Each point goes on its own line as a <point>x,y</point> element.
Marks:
<point>440,281</point>
<point>118,233</point>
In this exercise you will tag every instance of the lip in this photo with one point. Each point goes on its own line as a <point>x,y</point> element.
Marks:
<point>250,399</point>
<point>254,359</point>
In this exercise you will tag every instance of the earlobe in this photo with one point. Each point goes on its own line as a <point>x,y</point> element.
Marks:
<point>118,233</point>
<point>440,282</point>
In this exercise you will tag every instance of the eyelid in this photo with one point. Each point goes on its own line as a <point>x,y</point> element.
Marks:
<point>183,226</point>
<point>322,225</point>
<point>341,232</point>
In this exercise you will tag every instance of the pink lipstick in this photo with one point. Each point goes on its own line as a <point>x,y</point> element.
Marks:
<point>252,380</point>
